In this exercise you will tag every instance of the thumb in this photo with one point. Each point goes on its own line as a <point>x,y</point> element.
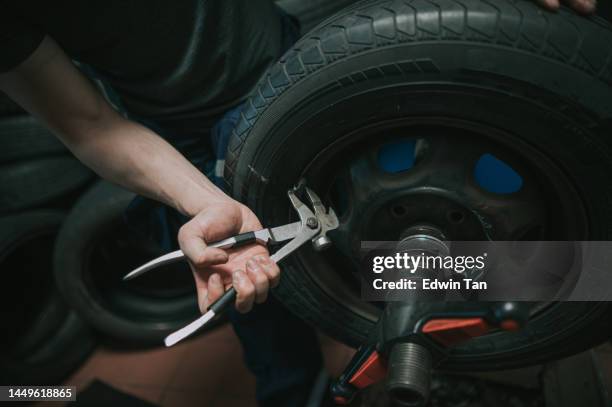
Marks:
<point>192,239</point>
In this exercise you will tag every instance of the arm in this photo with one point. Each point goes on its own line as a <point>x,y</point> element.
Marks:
<point>50,87</point>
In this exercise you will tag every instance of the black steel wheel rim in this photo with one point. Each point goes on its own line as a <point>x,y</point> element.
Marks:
<point>438,189</point>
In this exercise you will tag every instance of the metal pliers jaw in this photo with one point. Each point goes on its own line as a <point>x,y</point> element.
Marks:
<point>313,225</point>
<point>327,219</point>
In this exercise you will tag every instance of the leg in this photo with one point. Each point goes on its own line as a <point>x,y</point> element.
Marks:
<point>281,350</point>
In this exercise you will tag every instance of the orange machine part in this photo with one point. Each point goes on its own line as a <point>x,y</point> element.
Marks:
<point>372,371</point>
<point>452,331</point>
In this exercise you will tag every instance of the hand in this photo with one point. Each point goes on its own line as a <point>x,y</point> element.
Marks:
<point>580,6</point>
<point>249,268</point>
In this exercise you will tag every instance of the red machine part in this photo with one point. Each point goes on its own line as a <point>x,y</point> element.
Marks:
<point>372,371</point>
<point>445,331</point>
<point>451,331</point>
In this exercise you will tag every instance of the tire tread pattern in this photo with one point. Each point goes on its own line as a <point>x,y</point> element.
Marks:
<point>518,24</point>
<point>513,25</point>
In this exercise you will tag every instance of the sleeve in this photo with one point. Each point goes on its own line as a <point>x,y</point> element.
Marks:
<point>18,40</point>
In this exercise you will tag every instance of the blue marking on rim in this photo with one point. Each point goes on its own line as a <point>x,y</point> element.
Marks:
<point>494,175</point>
<point>397,156</point>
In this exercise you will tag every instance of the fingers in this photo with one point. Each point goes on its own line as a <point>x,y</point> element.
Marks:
<point>245,290</point>
<point>250,287</point>
<point>253,285</point>
<point>270,269</point>
<point>259,280</point>
<point>209,290</point>
<point>192,243</point>
<point>582,6</point>
<point>216,288</point>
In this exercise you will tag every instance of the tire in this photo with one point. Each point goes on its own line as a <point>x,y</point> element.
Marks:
<point>56,358</point>
<point>94,249</point>
<point>26,184</point>
<point>311,12</point>
<point>605,10</point>
<point>499,63</point>
<point>23,137</point>
<point>46,341</point>
<point>8,107</point>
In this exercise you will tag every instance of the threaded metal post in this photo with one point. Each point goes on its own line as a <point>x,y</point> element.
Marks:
<point>409,374</point>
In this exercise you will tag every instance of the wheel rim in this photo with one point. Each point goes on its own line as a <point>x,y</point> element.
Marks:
<point>378,203</point>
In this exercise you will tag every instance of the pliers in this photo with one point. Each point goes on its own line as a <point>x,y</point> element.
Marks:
<point>312,226</point>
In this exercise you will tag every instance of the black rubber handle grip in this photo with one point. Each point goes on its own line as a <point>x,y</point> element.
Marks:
<point>244,239</point>
<point>224,301</point>
<point>229,296</point>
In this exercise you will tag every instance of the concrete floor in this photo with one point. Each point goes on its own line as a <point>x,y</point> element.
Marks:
<point>207,371</point>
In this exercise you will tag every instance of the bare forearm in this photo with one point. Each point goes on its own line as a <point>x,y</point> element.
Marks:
<point>133,156</point>
<point>49,86</point>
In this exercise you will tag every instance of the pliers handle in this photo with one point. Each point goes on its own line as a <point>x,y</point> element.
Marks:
<point>263,236</point>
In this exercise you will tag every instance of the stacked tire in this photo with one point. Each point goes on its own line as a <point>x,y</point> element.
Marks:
<point>95,248</point>
<point>312,12</point>
<point>43,339</point>
<point>64,246</point>
<point>36,168</point>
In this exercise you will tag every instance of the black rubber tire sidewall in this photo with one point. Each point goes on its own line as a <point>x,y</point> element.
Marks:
<point>60,355</point>
<point>24,137</point>
<point>273,126</point>
<point>56,341</point>
<point>29,183</point>
<point>8,107</point>
<point>101,204</point>
<point>312,12</point>
<point>16,231</point>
